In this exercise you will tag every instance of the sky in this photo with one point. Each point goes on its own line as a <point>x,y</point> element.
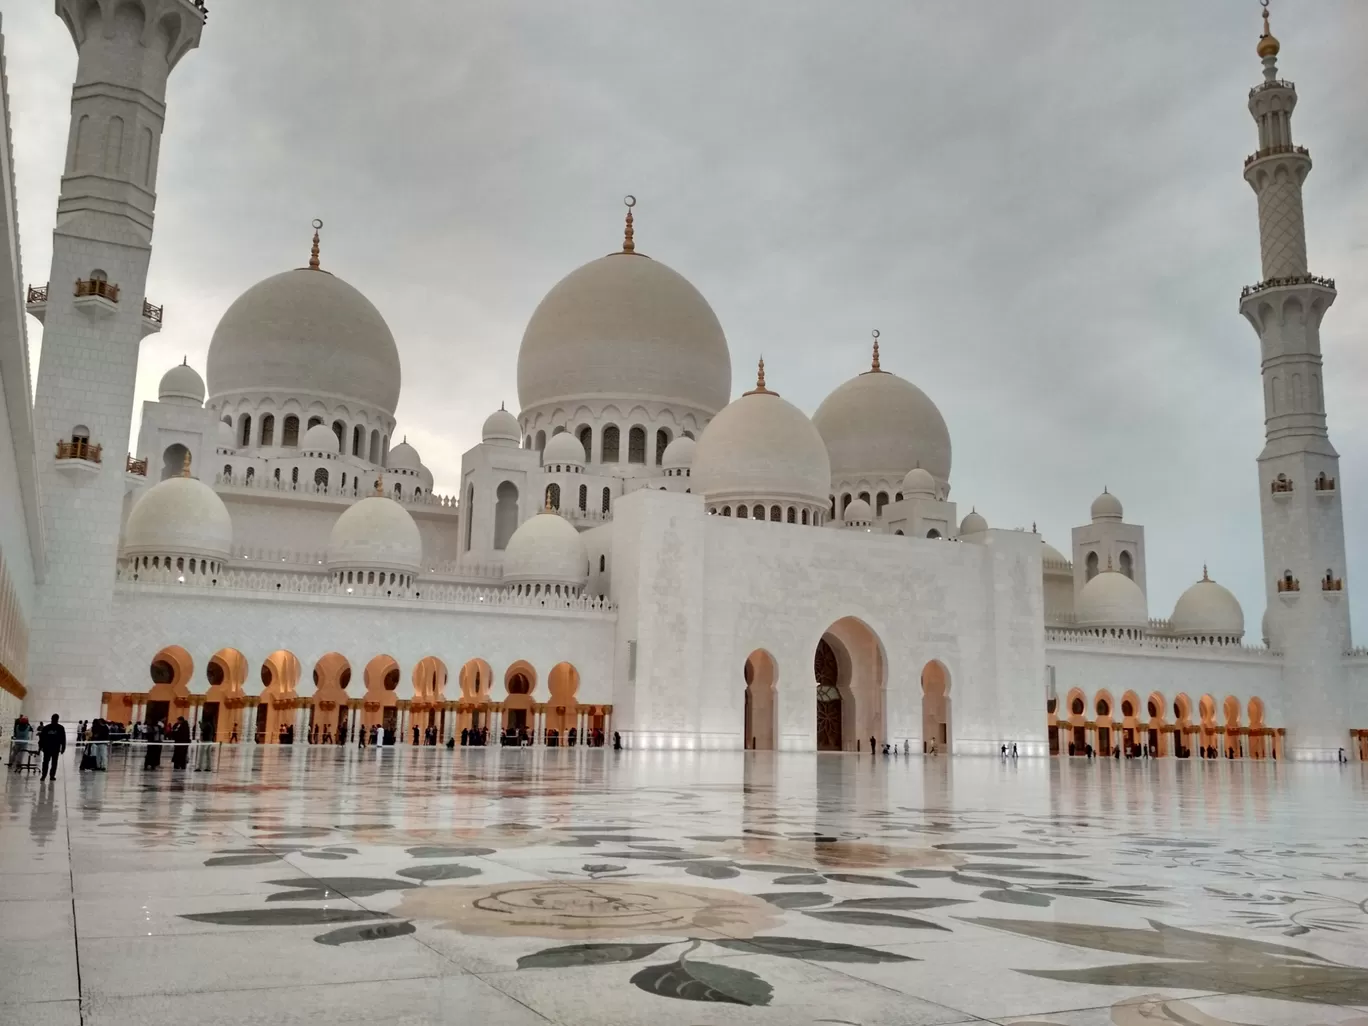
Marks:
<point>1039,206</point>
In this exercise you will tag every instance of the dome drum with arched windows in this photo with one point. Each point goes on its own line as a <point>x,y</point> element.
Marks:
<point>677,460</point>
<point>858,515</point>
<point>546,556</point>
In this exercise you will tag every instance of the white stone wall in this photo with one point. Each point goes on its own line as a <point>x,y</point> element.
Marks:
<point>1109,539</point>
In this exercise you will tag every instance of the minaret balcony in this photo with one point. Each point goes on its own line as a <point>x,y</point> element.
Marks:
<point>1279,150</point>
<point>151,318</point>
<point>1325,487</point>
<point>135,467</point>
<point>1289,589</point>
<point>79,456</point>
<point>1295,279</point>
<point>36,302</point>
<point>97,297</point>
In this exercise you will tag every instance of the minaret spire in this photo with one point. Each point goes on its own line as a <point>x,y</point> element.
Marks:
<point>313,253</point>
<point>628,241</point>
<point>1303,522</point>
<point>874,365</point>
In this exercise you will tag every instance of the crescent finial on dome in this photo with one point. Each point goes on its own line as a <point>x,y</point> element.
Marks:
<point>379,488</point>
<point>313,253</point>
<point>628,242</point>
<point>760,388</point>
<point>1268,42</point>
<point>185,465</point>
<point>1204,573</point>
<point>874,364</point>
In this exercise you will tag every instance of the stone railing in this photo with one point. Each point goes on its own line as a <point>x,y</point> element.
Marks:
<point>1292,279</point>
<point>1269,151</point>
<point>1273,83</point>
<point>80,449</point>
<point>287,556</point>
<point>585,516</point>
<point>1076,636</point>
<point>266,482</point>
<point>1057,564</point>
<point>1357,653</point>
<point>478,571</point>
<point>295,582</point>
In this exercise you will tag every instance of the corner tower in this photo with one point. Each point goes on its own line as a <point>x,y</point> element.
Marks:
<point>95,316</point>
<point>1299,497</point>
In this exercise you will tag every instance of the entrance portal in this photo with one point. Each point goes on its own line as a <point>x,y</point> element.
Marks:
<point>760,674</point>
<point>828,699</point>
<point>935,708</point>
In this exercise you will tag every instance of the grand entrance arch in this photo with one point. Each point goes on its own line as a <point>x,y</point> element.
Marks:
<point>170,672</point>
<point>849,670</point>
<point>761,674</point>
<point>935,682</point>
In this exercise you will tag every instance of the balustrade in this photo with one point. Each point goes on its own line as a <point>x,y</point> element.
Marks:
<point>79,449</point>
<point>86,287</point>
<point>136,466</point>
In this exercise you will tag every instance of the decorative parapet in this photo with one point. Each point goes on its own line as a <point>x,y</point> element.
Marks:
<point>267,483</point>
<point>423,594</point>
<point>1273,83</point>
<point>1294,279</point>
<point>476,571</point>
<point>1062,565</point>
<point>1233,649</point>
<point>1269,151</point>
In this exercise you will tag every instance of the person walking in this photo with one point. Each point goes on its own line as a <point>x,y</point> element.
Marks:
<point>99,735</point>
<point>52,743</point>
<point>180,736</point>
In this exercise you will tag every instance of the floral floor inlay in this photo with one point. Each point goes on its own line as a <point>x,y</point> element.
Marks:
<point>598,887</point>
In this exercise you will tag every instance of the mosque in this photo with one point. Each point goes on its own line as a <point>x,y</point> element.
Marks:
<point>632,550</point>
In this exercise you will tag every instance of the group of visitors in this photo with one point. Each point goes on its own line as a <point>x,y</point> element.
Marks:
<point>51,737</point>
<point>158,734</point>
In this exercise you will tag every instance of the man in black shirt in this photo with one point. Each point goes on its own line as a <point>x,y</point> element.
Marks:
<point>52,743</point>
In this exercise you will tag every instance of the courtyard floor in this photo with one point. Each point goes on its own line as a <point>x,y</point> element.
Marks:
<point>297,885</point>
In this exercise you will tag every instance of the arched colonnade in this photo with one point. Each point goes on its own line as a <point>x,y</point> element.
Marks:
<point>1181,728</point>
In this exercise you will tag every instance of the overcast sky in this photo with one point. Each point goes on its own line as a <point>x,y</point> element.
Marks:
<point>1040,206</point>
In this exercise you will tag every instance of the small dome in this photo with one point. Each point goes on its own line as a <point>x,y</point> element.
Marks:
<point>1208,610</point>
<point>629,327</point>
<point>858,512</point>
<point>973,523</point>
<point>880,425</point>
<point>501,428</point>
<point>305,333</point>
<point>762,446</point>
<point>226,438</point>
<point>1106,507</point>
<point>679,454</point>
<point>181,385</point>
<point>1111,599</point>
<point>180,516</point>
<point>1050,554</point>
<point>375,533</point>
<point>546,550</point>
<point>403,457</point>
<point>563,448</point>
<point>919,484</point>
<point>425,476</point>
<point>319,438</point>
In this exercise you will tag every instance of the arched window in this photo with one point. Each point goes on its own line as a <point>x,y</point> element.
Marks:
<point>865,496</point>
<point>1091,566</point>
<point>610,444</point>
<point>505,514</point>
<point>245,430</point>
<point>541,440</point>
<point>743,512</point>
<point>933,533</point>
<point>805,518</point>
<point>792,515</point>
<point>636,445</point>
<point>898,497</point>
<point>289,434</point>
<point>527,442</point>
<point>375,447</point>
<point>398,490</point>
<point>228,472</point>
<point>251,473</point>
<point>321,480</point>
<point>553,496</point>
<point>845,501</point>
<point>468,514</point>
<point>313,422</point>
<point>726,511</point>
<point>758,513</point>
<point>294,476</point>
<point>662,443</point>
<point>607,501</point>
<point>1127,564</point>
<point>340,430</point>
<point>880,502</point>
<point>776,514</point>
<point>276,475</point>
<point>384,450</point>
<point>268,430</point>
<point>358,439</point>
<point>585,434</point>
<point>832,498</point>
<point>603,563</point>
<point>173,460</point>
<point>584,498</point>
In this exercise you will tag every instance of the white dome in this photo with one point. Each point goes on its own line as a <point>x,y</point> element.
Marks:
<point>180,516</point>
<point>919,484</point>
<point>226,438</point>
<point>880,425</point>
<point>501,428</point>
<point>375,533</point>
<point>1106,507</point>
<point>1050,554</point>
<point>624,326</point>
<point>1208,609</point>
<point>307,334</point>
<point>1111,599</point>
<point>858,512</point>
<point>973,523</point>
<point>762,446</point>
<point>403,457</point>
<point>546,550</point>
<point>181,385</point>
<point>563,448</point>
<point>678,454</point>
<point>319,438</point>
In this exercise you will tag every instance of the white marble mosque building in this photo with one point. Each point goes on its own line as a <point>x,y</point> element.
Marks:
<point>633,549</point>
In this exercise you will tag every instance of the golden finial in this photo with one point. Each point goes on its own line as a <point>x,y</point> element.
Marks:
<point>379,488</point>
<point>760,388</point>
<point>875,365</point>
<point>185,464</point>
<point>1268,42</point>
<point>313,254</point>
<point>628,243</point>
<point>1204,573</point>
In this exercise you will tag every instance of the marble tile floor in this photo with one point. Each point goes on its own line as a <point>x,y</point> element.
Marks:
<point>571,887</point>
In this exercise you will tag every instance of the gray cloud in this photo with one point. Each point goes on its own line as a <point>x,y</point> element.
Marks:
<point>1040,207</point>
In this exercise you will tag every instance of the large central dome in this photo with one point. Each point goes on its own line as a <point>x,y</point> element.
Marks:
<point>624,327</point>
<point>306,333</point>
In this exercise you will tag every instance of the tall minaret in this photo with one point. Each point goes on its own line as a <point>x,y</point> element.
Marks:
<point>1299,486</point>
<point>94,321</point>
